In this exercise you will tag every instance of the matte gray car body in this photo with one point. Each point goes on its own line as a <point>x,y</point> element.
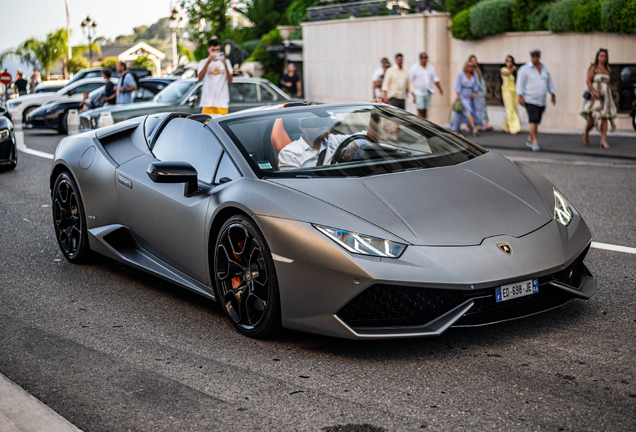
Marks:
<point>451,218</point>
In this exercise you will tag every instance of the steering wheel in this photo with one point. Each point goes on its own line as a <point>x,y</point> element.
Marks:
<point>337,155</point>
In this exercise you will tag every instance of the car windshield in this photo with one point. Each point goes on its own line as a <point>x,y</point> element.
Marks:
<point>174,92</point>
<point>344,141</point>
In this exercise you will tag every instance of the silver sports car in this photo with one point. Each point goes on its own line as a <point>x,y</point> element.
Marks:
<point>350,220</point>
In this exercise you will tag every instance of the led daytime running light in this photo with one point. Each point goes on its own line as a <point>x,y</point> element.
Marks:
<point>363,244</point>
<point>562,211</point>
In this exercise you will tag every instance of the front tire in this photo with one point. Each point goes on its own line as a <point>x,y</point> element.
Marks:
<point>69,219</point>
<point>246,282</point>
<point>63,126</point>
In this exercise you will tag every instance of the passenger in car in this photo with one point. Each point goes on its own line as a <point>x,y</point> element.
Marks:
<point>317,144</point>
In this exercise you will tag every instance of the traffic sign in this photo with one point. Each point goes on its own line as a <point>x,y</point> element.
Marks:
<point>6,78</point>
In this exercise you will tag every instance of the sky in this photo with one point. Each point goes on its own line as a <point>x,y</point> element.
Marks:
<point>24,19</point>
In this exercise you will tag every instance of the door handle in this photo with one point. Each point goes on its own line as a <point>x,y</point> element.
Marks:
<point>124,181</point>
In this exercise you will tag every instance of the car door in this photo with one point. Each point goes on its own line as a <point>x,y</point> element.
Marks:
<point>78,91</point>
<point>162,219</point>
<point>243,95</point>
<point>191,103</point>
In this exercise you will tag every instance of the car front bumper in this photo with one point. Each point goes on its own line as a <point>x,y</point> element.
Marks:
<point>325,290</point>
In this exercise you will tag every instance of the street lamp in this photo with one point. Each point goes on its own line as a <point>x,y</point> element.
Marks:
<point>173,23</point>
<point>89,28</point>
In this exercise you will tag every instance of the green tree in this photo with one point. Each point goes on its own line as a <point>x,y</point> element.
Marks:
<point>265,14</point>
<point>296,12</point>
<point>77,63</point>
<point>272,61</point>
<point>145,62</point>
<point>43,54</point>
<point>110,62</point>
<point>207,18</point>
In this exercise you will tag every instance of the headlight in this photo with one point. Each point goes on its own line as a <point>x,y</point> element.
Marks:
<point>52,107</point>
<point>363,244</point>
<point>14,104</point>
<point>562,211</point>
<point>4,134</point>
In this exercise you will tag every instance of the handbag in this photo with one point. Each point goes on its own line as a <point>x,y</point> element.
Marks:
<point>587,95</point>
<point>457,106</point>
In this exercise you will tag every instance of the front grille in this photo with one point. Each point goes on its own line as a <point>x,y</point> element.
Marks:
<point>383,305</point>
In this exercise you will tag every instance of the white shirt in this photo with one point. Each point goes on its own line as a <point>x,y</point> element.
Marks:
<point>299,154</point>
<point>377,75</point>
<point>534,86</point>
<point>216,91</point>
<point>422,79</point>
<point>397,83</point>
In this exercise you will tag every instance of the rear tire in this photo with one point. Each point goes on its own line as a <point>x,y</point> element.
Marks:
<point>63,127</point>
<point>245,278</point>
<point>69,219</point>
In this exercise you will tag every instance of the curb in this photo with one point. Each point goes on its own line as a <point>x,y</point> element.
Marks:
<point>21,412</point>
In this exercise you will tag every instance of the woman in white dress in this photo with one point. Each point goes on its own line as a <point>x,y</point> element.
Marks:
<point>599,109</point>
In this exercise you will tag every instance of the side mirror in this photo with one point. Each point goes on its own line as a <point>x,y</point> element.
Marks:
<point>70,93</point>
<point>193,100</point>
<point>175,172</point>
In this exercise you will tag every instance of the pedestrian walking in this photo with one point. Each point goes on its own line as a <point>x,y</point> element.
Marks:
<point>422,77</point>
<point>215,72</point>
<point>126,86</point>
<point>509,96</point>
<point>291,81</point>
<point>34,80</point>
<point>599,107</point>
<point>109,88</point>
<point>533,82</point>
<point>466,87</point>
<point>397,84</point>
<point>480,100</point>
<point>20,84</point>
<point>378,77</point>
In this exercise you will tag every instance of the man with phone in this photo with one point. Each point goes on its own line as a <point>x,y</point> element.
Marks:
<point>216,74</point>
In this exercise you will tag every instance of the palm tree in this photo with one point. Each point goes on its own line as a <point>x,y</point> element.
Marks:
<point>43,54</point>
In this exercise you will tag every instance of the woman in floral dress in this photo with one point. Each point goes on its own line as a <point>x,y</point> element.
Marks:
<point>600,108</point>
<point>480,100</point>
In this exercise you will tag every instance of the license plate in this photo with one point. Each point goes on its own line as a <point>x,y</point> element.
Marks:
<point>516,290</point>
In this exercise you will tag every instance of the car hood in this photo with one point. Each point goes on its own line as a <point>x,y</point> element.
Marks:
<point>449,206</point>
<point>125,108</point>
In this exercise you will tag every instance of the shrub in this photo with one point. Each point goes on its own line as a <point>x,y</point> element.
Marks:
<point>627,19</point>
<point>587,17</point>
<point>272,61</point>
<point>522,10</point>
<point>110,62</point>
<point>491,17</point>
<point>610,14</point>
<point>560,18</point>
<point>460,28</point>
<point>538,19</point>
<point>144,62</point>
<point>76,64</point>
<point>454,7</point>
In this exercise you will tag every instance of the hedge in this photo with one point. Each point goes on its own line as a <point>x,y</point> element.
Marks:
<point>521,11</point>
<point>491,17</point>
<point>610,14</point>
<point>627,19</point>
<point>460,28</point>
<point>587,17</point>
<point>456,6</point>
<point>560,18</point>
<point>538,19</point>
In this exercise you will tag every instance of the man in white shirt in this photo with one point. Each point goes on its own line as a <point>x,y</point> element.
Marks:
<point>317,145</point>
<point>378,77</point>
<point>422,77</point>
<point>216,74</point>
<point>397,84</point>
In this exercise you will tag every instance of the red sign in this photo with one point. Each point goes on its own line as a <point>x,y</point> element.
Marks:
<point>5,78</point>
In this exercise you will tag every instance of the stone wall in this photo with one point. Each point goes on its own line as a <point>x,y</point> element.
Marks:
<point>341,55</point>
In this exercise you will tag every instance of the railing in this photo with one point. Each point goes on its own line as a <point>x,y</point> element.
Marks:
<point>373,8</point>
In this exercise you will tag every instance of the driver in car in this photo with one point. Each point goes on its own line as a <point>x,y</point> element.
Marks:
<point>317,144</point>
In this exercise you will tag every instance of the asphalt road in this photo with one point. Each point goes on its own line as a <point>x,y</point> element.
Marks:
<point>113,349</point>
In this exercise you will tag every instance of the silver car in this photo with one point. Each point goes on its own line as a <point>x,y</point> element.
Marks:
<point>352,220</point>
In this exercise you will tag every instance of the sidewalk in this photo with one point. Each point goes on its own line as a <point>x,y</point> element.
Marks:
<point>21,412</point>
<point>623,145</point>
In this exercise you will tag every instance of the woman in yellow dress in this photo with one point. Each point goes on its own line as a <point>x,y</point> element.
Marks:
<point>509,96</point>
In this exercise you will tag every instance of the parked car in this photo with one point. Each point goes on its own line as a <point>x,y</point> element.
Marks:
<point>184,96</point>
<point>390,236</point>
<point>3,110</point>
<point>8,147</point>
<point>54,115</point>
<point>96,72</point>
<point>21,106</point>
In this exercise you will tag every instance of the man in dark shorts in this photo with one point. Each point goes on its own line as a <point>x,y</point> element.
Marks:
<point>533,82</point>
<point>291,81</point>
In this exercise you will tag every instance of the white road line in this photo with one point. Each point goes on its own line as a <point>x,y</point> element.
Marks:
<point>571,162</point>
<point>615,248</point>
<point>37,153</point>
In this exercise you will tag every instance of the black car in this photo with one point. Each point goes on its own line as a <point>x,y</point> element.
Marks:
<point>54,115</point>
<point>8,148</point>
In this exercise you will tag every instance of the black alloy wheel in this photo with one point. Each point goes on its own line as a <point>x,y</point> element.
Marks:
<point>69,219</point>
<point>246,282</point>
<point>13,161</point>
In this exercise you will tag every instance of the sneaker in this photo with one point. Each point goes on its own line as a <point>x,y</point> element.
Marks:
<point>535,147</point>
<point>528,144</point>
